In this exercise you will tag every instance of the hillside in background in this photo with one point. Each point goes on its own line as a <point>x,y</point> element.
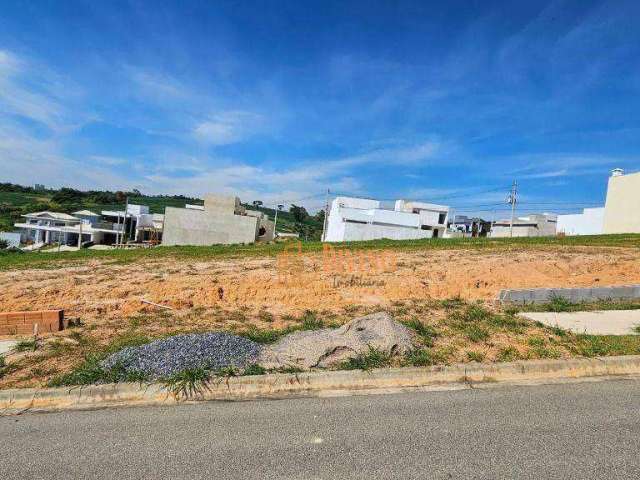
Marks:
<point>17,200</point>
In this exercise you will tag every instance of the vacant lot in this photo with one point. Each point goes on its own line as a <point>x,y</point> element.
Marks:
<point>103,294</point>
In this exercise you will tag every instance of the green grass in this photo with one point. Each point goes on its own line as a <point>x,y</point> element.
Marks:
<point>605,345</point>
<point>558,304</point>
<point>425,357</point>
<point>476,333</point>
<point>254,369</point>
<point>508,354</point>
<point>308,321</point>
<point>475,356</point>
<point>426,333</point>
<point>26,346</point>
<point>10,260</point>
<point>188,383</point>
<point>374,358</point>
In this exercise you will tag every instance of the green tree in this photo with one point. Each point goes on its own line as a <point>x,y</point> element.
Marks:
<point>300,214</point>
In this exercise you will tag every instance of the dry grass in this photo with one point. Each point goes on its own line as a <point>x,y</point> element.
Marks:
<point>449,331</point>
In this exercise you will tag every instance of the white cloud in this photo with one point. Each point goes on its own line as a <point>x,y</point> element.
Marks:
<point>228,127</point>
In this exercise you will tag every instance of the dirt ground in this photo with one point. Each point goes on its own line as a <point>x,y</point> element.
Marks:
<point>104,300</point>
<point>98,292</point>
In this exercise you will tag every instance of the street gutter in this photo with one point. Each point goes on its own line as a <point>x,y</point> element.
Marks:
<point>322,384</point>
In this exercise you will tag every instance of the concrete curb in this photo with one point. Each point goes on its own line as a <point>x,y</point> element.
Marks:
<point>330,383</point>
<point>576,295</point>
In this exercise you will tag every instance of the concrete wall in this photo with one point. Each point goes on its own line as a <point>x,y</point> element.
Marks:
<point>590,222</point>
<point>270,231</point>
<point>502,231</point>
<point>622,208</point>
<point>359,231</point>
<point>223,205</point>
<point>184,226</point>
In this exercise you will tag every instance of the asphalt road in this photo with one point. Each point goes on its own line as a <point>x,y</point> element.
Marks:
<point>582,430</point>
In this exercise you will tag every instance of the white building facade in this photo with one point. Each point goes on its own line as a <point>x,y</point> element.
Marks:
<point>622,208</point>
<point>589,222</point>
<point>354,219</point>
<point>45,228</point>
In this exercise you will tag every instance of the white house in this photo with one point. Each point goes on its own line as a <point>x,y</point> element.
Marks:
<point>352,219</point>
<point>86,226</point>
<point>589,222</point>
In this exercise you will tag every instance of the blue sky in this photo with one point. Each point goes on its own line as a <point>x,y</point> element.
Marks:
<point>442,101</point>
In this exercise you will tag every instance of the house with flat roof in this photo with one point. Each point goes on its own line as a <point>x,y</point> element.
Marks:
<point>108,227</point>
<point>353,219</point>
<point>532,225</point>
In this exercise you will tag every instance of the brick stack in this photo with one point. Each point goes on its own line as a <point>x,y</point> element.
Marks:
<point>21,323</point>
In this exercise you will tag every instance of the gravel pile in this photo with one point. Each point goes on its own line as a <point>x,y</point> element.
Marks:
<point>174,354</point>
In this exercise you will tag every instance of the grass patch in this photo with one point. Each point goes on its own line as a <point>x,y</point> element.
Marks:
<point>508,354</point>
<point>264,335</point>
<point>265,316</point>
<point>254,369</point>
<point>374,358</point>
<point>424,357</point>
<point>471,314</point>
<point>30,345</point>
<point>476,356</point>
<point>11,260</point>
<point>451,303</point>
<point>310,321</point>
<point>188,383</point>
<point>605,345</point>
<point>476,333</point>
<point>544,352</point>
<point>127,339</point>
<point>427,333</point>
<point>558,304</point>
<point>535,342</point>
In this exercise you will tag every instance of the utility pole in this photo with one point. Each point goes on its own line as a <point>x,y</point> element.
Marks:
<point>124,224</point>
<point>275,220</point>
<point>512,200</point>
<point>452,216</point>
<point>326,216</point>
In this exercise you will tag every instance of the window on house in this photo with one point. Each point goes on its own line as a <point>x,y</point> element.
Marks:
<point>441,218</point>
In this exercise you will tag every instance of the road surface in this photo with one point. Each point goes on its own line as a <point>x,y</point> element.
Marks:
<point>578,430</point>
